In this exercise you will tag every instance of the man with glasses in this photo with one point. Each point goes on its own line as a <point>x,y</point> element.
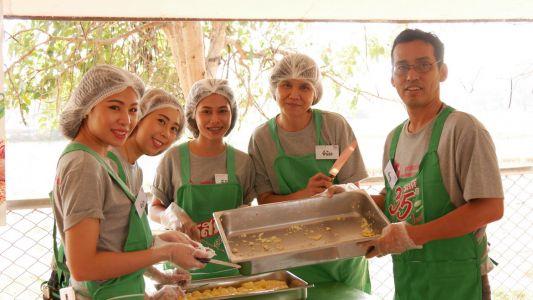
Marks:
<point>442,184</point>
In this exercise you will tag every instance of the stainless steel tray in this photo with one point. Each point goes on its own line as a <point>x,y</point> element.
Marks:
<point>295,233</point>
<point>297,287</point>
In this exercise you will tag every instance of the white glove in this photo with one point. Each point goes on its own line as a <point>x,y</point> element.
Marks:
<point>175,218</point>
<point>183,255</point>
<point>168,292</point>
<point>170,218</point>
<point>175,276</point>
<point>393,239</point>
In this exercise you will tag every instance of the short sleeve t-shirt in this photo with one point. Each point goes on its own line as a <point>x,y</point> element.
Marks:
<point>133,172</point>
<point>335,130</point>
<point>84,190</point>
<point>167,180</point>
<point>467,159</point>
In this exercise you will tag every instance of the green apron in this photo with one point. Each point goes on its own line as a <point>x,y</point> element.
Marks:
<point>293,173</point>
<point>130,286</point>
<point>442,269</point>
<point>200,201</point>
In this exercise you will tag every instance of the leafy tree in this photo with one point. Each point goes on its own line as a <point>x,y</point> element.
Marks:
<point>47,58</point>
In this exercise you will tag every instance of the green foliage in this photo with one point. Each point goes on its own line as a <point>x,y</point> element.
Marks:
<point>47,59</point>
<point>375,49</point>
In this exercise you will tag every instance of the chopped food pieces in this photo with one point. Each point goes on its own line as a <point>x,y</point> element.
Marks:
<point>295,228</point>
<point>244,288</point>
<point>315,237</point>
<point>366,230</point>
<point>295,236</point>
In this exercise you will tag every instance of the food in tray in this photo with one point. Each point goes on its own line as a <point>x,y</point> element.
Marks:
<point>244,288</point>
<point>366,230</point>
<point>315,237</point>
<point>295,236</point>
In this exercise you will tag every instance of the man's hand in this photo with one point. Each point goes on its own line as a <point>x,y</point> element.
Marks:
<point>394,239</point>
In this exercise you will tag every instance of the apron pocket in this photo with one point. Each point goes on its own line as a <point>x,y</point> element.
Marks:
<point>454,280</point>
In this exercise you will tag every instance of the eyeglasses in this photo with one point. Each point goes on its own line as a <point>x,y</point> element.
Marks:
<point>420,67</point>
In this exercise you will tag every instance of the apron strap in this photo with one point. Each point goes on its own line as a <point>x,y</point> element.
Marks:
<point>77,147</point>
<point>437,128</point>
<point>186,163</point>
<point>394,142</point>
<point>230,164</point>
<point>273,131</point>
<point>59,251</point>
<point>121,173</point>
<point>317,120</point>
<point>435,135</point>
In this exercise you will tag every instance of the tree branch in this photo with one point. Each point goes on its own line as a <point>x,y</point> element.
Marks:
<point>96,42</point>
<point>355,91</point>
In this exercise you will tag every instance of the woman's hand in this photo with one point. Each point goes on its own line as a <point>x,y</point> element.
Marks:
<point>190,229</point>
<point>317,184</point>
<point>168,292</point>
<point>175,276</point>
<point>175,218</point>
<point>185,256</point>
<point>394,239</point>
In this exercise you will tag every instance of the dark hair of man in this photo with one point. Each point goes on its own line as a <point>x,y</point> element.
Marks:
<point>409,35</point>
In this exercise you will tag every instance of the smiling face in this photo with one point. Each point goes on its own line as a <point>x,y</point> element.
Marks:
<point>158,131</point>
<point>110,121</point>
<point>294,96</point>
<point>213,117</point>
<point>417,89</point>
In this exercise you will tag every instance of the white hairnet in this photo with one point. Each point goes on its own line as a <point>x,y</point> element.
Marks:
<point>155,99</point>
<point>203,88</point>
<point>98,83</point>
<point>297,66</point>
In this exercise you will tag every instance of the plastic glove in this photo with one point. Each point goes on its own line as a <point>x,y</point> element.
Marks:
<point>183,255</point>
<point>175,218</point>
<point>175,276</point>
<point>176,237</point>
<point>393,239</point>
<point>168,292</point>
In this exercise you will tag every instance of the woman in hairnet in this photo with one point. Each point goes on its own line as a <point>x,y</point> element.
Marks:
<point>160,123</point>
<point>204,175</point>
<point>103,225</point>
<point>292,154</point>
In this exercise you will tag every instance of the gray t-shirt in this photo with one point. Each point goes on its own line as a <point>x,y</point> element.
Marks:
<point>467,159</point>
<point>335,130</point>
<point>167,180</point>
<point>83,189</point>
<point>134,173</point>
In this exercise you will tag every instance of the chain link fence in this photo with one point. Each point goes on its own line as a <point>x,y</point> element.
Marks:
<point>26,245</point>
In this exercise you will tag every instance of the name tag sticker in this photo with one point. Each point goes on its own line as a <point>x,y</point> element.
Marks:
<point>390,174</point>
<point>221,178</point>
<point>140,203</point>
<point>67,293</point>
<point>327,151</point>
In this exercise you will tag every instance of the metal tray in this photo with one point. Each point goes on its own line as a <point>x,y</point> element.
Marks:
<point>297,287</point>
<point>296,233</point>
